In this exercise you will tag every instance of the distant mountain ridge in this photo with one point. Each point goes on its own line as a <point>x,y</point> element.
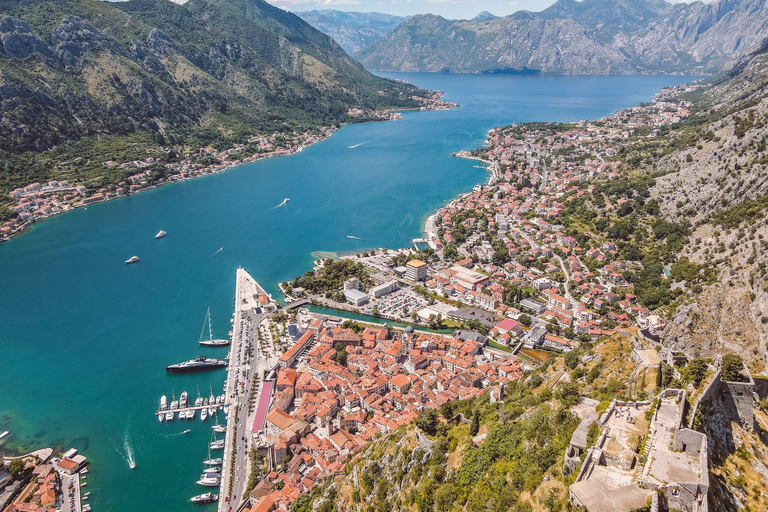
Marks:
<point>587,37</point>
<point>352,30</point>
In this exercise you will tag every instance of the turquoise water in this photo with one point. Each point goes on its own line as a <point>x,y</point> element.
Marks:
<point>84,338</point>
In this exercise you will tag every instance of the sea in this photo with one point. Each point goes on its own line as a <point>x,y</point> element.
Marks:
<point>85,338</point>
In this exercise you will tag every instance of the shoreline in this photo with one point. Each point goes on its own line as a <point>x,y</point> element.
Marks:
<point>432,103</point>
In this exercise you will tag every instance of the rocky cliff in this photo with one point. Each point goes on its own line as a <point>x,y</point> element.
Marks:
<point>588,37</point>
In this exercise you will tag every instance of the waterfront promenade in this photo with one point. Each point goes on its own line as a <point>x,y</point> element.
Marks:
<point>244,373</point>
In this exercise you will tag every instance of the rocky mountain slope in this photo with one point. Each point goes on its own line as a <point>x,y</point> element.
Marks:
<point>588,37</point>
<point>719,183</point>
<point>352,30</point>
<point>215,68</point>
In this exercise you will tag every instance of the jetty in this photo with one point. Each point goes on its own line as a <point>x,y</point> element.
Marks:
<point>253,305</point>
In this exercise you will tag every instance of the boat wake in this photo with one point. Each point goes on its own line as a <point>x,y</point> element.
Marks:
<point>353,237</point>
<point>401,225</point>
<point>129,452</point>
<point>355,146</point>
<point>217,252</point>
<point>178,433</point>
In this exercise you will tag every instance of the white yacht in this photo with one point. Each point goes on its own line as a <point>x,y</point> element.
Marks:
<point>203,414</point>
<point>160,234</point>
<point>217,445</point>
<point>210,342</point>
<point>169,416</point>
<point>161,417</point>
<point>214,462</point>
<point>202,499</point>
<point>183,399</point>
<point>132,259</point>
<point>163,403</point>
<point>174,404</point>
<point>209,481</point>
<point>219,428</point>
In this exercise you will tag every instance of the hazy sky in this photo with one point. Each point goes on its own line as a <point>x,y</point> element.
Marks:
<point>446,8</point>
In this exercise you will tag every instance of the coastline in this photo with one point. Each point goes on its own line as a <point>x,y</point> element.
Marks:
<point>431,103</point>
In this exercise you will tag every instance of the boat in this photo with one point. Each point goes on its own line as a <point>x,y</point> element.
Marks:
<point>203,414</point>
<point>174,405</point>
<point>217,445</point>
<point>354,146</point>
<point>183,399</point>
<point>186,431</point>
<point>84,471</point>
<point>161,417</point>
<point>219,428</point>
<point>202,499</point>
<point>132,259</point>
<point>163,403</point>
<point>200,363</point>
<point>160,234</point>
<point>191,414</point>
<point>86,508</point>
<point>214,462</point>
<point>285,201</point>
<point>83,484</point>
<point>212,470</point>
<point>169,416</point>
<point>4,434</point>
<point>210,342</point>
<point>209,481</point>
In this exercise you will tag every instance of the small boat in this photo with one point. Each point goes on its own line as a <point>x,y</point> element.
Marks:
<point>160,234</point>
<point>285,201</point>
<point>202,499</point>
<point>209,481</point>
<point>183,399</point>
<point>161,417</point>
<point>219,428</point>
<point>354,146</point>
<point>4,434</point>
<point>84,471</point>
<point>210,342</point>
<point>132,259</point>
<point>169,416</point>
<point>186,431</point>
<point>163,403</point>
<point>203,414</point>
<point>217,445</point>
<point>191,414</point>
<point>86,508</point>
<point>174,404</point>
<point>83,484</point>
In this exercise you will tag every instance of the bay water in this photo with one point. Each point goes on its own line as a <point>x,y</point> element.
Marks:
<point>84,338</point>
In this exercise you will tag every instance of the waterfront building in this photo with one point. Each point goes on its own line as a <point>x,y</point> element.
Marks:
<point>416,270</point>
<point>356,297</point>
<point>383,289</point>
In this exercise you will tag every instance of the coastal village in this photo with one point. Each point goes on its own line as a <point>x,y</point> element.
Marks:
<point>37,201</point>
<point>507,287</point>
<point>42,482</point>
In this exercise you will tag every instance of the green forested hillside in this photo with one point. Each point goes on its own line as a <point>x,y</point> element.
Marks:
<point>207,72</point>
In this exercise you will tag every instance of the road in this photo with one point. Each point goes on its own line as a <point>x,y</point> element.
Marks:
<point>243,374</point>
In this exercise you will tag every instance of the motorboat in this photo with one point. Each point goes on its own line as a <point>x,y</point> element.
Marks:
<point>217,445</point>
<point>132,259</point>
<point>163,403</point>
<point>169,416</point>
<point>209,481</point>
<point>160,234</point>
<point>174,405</point>
<point>183,399</point>
<point>214,462</point>
<point>200,363</point>
<point>202,499</point>
<point>219,428</point>
<point>161,417</point>
<point>203,414</point>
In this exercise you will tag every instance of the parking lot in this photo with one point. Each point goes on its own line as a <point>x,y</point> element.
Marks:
<point>400,303</point>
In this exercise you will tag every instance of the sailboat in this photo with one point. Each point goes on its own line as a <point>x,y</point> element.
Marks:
<point>210,342</point>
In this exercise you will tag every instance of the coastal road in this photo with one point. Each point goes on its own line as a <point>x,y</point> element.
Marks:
<point>242,374</point>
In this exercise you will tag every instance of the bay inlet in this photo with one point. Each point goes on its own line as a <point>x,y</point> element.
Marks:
<point>85,339</point>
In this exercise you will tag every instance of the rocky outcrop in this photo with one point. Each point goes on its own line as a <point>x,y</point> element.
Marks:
<point>588,37</point>
<point>17,40</point>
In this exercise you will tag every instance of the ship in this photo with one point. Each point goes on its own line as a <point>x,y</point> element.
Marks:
<point>202,499</point>
<point>160,234</point>
<point>210,342</point>
<point>132,259</point>
<point>200,363</point>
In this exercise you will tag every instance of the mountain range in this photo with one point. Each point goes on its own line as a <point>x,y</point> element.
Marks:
<point>570,37</point>
<point>352,30</point>
<point>217,69</point>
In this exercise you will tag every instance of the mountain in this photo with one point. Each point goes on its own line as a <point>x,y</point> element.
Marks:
<point>215,69</point>
<point>587,37</point>
<point>352,30</point>
<point>484,16</point>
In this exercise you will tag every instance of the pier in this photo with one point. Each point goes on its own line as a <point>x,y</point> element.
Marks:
<point>252,306</point>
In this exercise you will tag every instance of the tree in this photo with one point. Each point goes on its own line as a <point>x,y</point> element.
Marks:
<point>660,374</point>
<point>569,394</point>
<point>445,497</point>
<point>447,410</point>
<point>16,466</point>
<point>571,359</point>
<point>474,428</point>
<point>525,320</point>
<point>695,371</point>
<point>733,367</point>
<point>427,420</point>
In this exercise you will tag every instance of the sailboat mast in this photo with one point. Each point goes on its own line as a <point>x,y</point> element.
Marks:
<point>204,322</point>
<point>210,324</point>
